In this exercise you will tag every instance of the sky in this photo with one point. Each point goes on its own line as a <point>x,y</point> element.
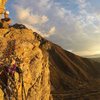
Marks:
<point>73,24</point>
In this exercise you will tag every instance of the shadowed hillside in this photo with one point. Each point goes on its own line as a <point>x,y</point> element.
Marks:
<point>72,77</point>
<point>72,74</point>
<point>96,59</point>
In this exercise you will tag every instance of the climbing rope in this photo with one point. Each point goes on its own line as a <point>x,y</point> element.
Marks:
<point>13,91</point>
<point>29,90</point>
<point>23,90</point>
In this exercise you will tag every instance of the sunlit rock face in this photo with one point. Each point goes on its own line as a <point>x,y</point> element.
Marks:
<point>22,44</point>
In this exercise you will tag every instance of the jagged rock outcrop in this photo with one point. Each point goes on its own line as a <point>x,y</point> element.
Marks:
<point>34,64</point>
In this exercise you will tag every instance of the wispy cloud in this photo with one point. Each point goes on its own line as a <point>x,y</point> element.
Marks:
<point>52,31</point>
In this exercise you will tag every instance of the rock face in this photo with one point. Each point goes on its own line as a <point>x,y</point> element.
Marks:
<point>21,43</point>
<point>48,72</point>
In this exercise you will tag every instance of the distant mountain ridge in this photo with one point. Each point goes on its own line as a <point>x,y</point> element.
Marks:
<point>93,56</point>
<point>96,59</point>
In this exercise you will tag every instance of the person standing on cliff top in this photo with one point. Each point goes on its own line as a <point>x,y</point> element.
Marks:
<point>6,21</point>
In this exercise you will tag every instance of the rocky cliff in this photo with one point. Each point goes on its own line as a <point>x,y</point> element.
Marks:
<point>23,45</point>
<point>48,71</point>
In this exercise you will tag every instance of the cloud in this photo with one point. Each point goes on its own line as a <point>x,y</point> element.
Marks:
<point>44,4</point>
<point>74,29</point>
<point>51,32</point>
<point>26,16</point>
<point>82,3</point>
